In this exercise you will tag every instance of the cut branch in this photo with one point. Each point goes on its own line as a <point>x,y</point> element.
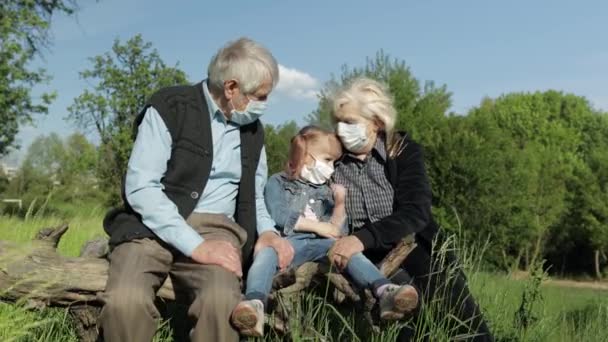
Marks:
<point>35,273</point>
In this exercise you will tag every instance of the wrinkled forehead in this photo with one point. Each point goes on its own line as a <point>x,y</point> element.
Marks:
<point>264,89</point>
<point>347,112</point>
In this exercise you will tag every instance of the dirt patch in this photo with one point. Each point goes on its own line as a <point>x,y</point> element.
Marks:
<point>594,285</point>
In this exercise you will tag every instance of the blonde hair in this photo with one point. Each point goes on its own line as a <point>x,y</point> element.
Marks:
<point>298,149</point>
<point>245,61</point>
<point>373,102</point>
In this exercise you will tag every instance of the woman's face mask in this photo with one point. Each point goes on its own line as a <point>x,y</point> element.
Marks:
<point>353,136</point>
<point>319,173</point>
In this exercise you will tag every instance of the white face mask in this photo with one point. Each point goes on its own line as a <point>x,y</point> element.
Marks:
<point>252,112</point>
<point>353,136</point>
<point>319,173</point>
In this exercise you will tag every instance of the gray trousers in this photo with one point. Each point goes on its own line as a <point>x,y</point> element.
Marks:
<point>138,269</point>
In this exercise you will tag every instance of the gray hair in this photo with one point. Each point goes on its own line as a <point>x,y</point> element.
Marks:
<point>245,61</point>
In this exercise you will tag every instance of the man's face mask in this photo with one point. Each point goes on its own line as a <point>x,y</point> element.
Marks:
<point>252,112</point>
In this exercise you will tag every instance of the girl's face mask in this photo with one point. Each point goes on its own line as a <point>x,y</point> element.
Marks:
<point>319,173</point>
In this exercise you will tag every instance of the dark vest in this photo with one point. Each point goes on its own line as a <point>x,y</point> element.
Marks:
<point>185,113</point>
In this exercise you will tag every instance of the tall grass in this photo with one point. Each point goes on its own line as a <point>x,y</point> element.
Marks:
<point>560,313</point>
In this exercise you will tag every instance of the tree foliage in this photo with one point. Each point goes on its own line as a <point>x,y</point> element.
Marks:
<point>121,81</point>
<point>24,34</point>
<point>524,171</point>
<point>277,141</point>
<point>62,168</point>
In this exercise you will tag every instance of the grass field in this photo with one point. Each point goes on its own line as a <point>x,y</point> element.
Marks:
<point>550,312</point>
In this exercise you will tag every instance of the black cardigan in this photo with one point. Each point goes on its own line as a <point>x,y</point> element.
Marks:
<point>412,203</point>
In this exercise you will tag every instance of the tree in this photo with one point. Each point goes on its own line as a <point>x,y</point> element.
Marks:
<point>24,35</point>
<point>581,239</point>
<point>42,164</point>
<point>122,80</point>
<point>277,141</point>
<point>522,174</point>
<point>3,181</point>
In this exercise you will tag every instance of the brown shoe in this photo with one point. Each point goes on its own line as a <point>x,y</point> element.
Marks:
<point>248,318</point>
<point>396,301</point>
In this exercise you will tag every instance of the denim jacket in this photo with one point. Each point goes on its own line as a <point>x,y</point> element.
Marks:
<point>286,200</point>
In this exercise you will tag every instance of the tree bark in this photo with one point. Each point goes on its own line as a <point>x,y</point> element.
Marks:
<point>598,272</point>
<point>36,274</point>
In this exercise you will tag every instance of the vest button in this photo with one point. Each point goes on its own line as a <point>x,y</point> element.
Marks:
<point>194,195</point>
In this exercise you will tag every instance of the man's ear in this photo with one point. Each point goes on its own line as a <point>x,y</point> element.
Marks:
<point>231,89</point>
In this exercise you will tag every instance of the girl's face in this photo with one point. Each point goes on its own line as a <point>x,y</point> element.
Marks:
<point>321,150</point>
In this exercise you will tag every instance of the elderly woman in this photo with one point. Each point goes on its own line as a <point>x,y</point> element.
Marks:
<point>389,197</point>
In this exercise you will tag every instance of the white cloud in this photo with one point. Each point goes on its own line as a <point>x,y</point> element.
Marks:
<point>297,84</point>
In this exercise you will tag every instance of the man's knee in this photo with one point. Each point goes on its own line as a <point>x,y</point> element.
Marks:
<point>128,303</point>
<point>219,295</point>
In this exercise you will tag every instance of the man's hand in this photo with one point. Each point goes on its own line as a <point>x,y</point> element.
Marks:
<point>343,250</point>
<point>221,253</point>
<point>283,248</point>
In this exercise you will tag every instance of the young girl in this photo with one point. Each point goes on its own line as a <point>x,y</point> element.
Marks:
<point>311,214</point>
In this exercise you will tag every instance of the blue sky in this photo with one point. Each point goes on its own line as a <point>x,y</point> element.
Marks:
<point>478,48</point>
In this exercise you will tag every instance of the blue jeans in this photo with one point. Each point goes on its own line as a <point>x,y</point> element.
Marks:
<point>307,247</point>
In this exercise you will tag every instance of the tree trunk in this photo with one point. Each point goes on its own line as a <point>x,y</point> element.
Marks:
<point>36,273</point>
<point>598,272</point>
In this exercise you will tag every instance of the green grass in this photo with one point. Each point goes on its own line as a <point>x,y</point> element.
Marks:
<point>562,313</point>
<point>84,226</point>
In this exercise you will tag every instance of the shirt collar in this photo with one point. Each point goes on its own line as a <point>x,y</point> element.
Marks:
<point>380,147</point>
<point>214,109</point>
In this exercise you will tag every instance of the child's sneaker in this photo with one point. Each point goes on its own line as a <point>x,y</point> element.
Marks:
<point>248,318</point>
<point>396,301</point>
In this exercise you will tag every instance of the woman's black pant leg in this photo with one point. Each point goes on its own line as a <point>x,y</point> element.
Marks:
<point>443,285</point>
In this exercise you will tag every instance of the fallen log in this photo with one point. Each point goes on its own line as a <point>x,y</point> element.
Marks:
<point>35,274</point>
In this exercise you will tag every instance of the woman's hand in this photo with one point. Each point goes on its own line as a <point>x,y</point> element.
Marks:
<point>343,250</point>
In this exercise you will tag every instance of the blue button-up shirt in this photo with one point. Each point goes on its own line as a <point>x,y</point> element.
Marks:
<point>148,164</point>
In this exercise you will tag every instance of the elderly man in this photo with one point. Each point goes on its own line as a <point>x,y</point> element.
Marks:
<point>193,199</point>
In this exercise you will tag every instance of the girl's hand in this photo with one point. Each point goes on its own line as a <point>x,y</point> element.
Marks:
<point>327,230</point>
<point>339,193</point>
<point>324,229</point>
